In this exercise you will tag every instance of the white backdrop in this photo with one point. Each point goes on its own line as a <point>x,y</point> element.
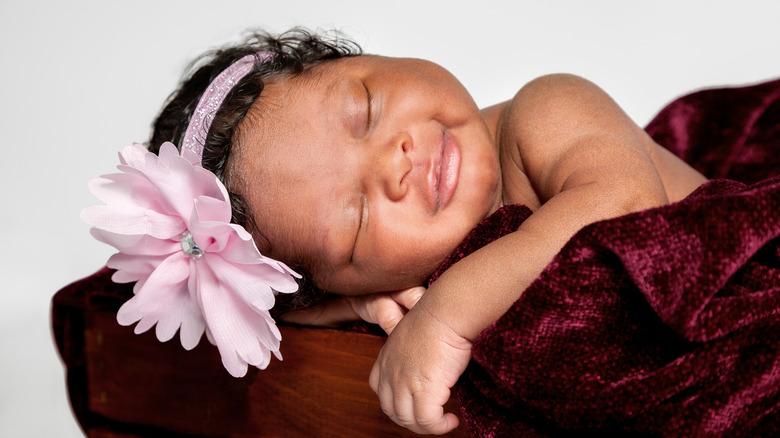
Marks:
<point>80,79</point>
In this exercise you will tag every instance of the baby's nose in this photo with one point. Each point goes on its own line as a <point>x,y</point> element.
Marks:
<point>394,164</point>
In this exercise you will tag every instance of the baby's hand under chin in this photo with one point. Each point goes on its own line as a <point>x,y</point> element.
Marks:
<point>418,365</point>
<point>384,309</point>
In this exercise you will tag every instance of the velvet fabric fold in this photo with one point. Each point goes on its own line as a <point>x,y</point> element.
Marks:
<point>663,322</point>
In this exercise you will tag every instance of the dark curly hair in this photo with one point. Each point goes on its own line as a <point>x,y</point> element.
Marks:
<point>293,52</point>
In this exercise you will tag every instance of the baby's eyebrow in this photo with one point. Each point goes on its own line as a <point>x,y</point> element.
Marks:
<point>335,100</point>
<point>331,88</point>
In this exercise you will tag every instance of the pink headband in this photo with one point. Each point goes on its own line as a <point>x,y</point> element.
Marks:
<point>211,100</point>
<point>194,270</point>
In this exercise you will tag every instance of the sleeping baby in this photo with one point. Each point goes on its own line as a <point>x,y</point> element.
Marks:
<point>360,174</point>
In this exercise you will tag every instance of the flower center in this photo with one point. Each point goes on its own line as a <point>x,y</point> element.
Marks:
<point>189,247</point>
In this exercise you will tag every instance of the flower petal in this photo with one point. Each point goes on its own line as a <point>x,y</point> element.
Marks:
<point>133,155</point>
<point>241,333</point>
<point>137,244</point>
<point>180,183</point>
<point>168,152</point>
<point>130,268</point>
<point>164,300</point>
<point>241,280</point>
<point>131,220</point>
<point>211,209</point>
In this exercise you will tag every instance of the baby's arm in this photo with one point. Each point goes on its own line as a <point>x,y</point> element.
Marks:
<point>586,161</point>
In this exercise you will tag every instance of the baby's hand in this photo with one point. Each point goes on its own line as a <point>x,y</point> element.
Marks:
<point>421,360</point>
<point>385,309</point>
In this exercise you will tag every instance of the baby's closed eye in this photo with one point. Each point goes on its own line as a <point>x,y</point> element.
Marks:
<point>362,225</point>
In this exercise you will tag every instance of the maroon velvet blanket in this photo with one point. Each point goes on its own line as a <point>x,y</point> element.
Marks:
<point>663,322</point>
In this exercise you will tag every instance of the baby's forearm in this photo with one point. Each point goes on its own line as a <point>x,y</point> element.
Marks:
<point>477,290</point>
<point>480,288</point>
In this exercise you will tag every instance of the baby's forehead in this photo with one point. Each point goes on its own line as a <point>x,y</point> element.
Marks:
<point>287,102</point>
<point>353,64</point>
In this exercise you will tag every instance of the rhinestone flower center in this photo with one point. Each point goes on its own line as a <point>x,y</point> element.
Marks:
<point>189,247</point>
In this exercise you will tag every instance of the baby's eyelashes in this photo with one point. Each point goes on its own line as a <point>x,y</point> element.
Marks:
<point>369,109</point>
<point>362,224</point>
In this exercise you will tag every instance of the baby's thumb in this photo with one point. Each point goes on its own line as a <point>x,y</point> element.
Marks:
<point>408,297</point>
<point>388,315</point>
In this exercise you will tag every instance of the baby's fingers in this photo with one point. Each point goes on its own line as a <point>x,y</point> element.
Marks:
<point>417,412</point>
<point>429,415</point>
<point>421,412</point>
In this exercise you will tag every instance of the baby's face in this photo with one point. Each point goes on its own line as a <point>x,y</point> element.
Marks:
<point>366,171</point>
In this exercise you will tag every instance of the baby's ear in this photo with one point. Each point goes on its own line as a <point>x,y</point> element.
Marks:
<point>408,297</point>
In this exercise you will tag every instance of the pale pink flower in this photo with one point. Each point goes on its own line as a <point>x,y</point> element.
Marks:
<point>194,270</point>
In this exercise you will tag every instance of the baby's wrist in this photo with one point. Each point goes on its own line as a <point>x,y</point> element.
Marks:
<point>455,334</point>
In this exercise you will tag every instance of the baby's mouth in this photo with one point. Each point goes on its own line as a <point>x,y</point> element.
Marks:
<point>446,171</point>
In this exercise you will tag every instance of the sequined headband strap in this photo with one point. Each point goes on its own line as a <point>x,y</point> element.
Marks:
<point>209,103</point>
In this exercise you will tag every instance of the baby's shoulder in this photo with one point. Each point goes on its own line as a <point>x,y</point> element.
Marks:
<point>548,115</point>
<point>553,104</point>
<point>552,112</point>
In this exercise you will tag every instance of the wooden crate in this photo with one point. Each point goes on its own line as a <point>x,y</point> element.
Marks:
<point>127,385</point>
